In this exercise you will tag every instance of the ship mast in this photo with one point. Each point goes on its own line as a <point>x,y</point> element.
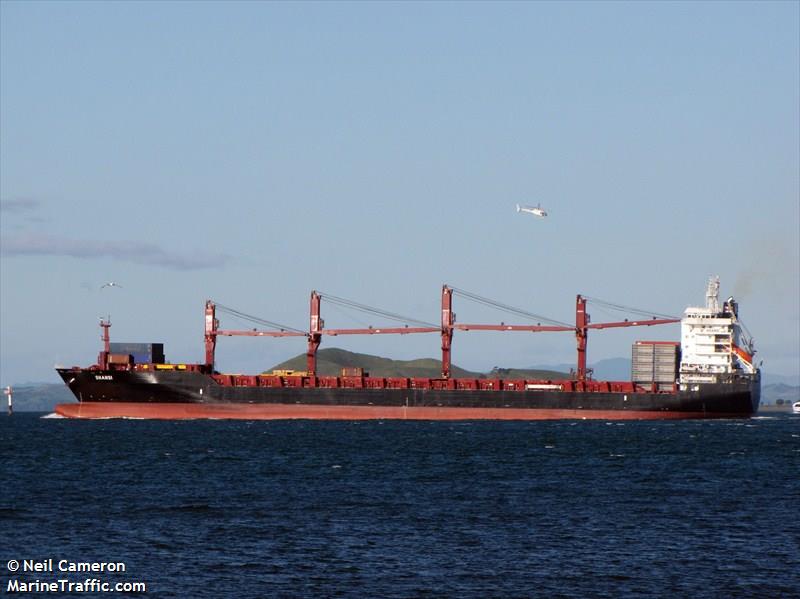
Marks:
<point>211,333</point>
<point>102,358</point>
<point>448,320</point>
<point>581,335</point>
<point>712,295</point>
<point>314,333</point>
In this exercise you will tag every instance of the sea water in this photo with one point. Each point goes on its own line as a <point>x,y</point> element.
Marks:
<point>404,509</point>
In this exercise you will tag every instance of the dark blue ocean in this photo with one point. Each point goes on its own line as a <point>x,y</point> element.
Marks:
<point>408,509</point>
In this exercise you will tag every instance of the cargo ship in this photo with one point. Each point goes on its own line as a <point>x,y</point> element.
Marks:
<point>710,373</point>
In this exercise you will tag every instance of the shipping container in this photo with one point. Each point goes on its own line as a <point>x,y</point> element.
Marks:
<point>143,353</point>
<point>655,362</point>
<point>119,359</point>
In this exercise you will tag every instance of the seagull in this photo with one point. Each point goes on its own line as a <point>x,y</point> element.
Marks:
<point>111,284</point>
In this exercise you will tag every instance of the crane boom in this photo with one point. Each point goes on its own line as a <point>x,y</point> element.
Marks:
<point>448,327</point>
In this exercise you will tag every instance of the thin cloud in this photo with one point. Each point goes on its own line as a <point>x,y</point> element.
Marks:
<point>21,210</point>
<point>19,206</point>
<point>124,251</point>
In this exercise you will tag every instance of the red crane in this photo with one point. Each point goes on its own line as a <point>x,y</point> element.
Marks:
<point>581,329</point>
<point>446,329</point>
<point>212,331</point>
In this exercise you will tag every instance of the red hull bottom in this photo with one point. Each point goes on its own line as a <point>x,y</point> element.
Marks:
<point>188,411</point>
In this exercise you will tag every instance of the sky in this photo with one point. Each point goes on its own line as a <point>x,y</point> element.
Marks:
<point>251,152</point>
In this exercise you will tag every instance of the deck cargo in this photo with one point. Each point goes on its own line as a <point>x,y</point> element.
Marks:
<point>141,353</point>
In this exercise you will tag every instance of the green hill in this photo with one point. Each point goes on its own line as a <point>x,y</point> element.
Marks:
<point>330,362</point>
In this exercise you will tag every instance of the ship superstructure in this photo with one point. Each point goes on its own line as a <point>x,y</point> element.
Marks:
<point>714,344</point>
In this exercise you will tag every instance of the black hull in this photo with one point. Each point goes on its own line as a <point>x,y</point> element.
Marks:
<point>738,397</point>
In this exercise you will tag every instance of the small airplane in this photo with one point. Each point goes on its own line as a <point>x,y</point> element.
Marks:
<point>537,211</point>
<point>111,284</point>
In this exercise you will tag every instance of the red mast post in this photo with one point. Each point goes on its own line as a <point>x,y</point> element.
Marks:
<point>314,334</point>
<point>211,333</point>
<point>448,319</point>
<point>581,335</point>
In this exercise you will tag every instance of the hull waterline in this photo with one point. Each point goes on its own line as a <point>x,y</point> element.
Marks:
<point>172,411</point>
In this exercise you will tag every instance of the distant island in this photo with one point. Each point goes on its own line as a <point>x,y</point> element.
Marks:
<point>331,361</point>
<point>42,397</point>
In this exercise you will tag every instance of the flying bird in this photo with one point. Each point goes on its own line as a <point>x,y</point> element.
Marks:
<point>111,284</point>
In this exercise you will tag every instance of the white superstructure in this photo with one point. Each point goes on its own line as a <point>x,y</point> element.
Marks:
<point>713,342</point>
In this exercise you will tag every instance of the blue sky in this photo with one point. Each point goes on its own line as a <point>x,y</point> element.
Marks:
<point>251,152</point>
